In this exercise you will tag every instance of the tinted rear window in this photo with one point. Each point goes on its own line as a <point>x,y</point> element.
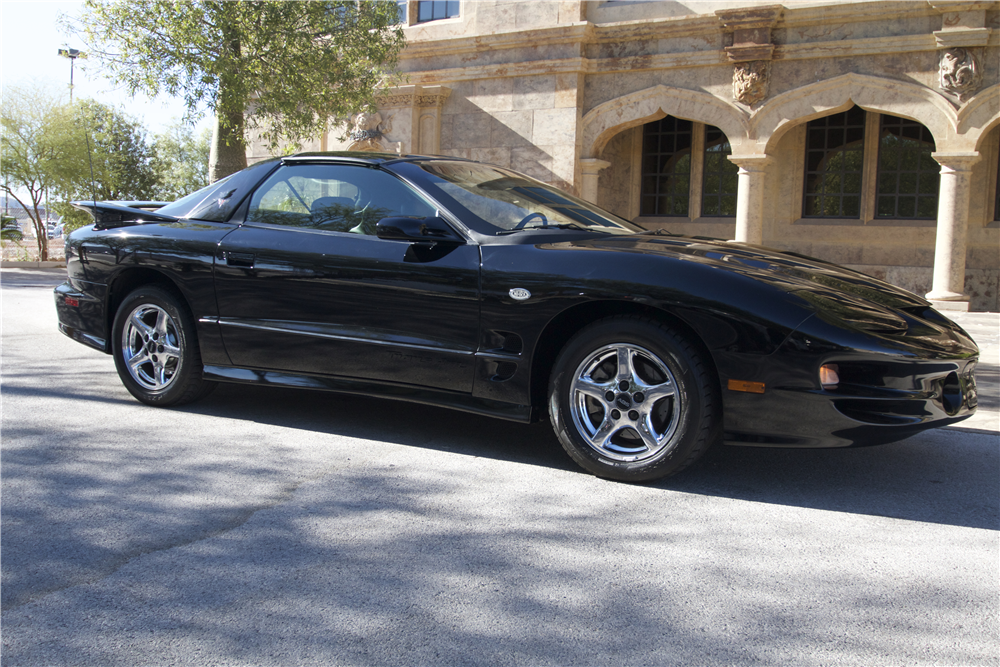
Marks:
<point>217,201</point>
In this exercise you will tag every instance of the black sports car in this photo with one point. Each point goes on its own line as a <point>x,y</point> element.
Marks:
<point>459,284</point>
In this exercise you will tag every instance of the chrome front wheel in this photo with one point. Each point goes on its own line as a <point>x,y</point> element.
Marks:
<point>632,399</point>
<point>625,403</point>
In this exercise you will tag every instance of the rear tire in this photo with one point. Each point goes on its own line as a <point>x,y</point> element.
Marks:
<point>156,348</point>
<point>630,399</point>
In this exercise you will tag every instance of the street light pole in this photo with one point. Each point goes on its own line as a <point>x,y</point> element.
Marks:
<point>72,54</point>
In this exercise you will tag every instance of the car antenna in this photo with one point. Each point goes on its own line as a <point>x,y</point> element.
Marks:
<point>90,159</point>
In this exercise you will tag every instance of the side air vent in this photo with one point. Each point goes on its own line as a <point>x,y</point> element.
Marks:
<point>512,343</point>
<point>505,371</point>
<point>503,341</point>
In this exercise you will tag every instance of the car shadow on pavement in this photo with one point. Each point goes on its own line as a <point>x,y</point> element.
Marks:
<point>946,476</point>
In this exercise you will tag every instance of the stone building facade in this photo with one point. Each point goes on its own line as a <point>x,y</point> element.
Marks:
<point>863,133</point>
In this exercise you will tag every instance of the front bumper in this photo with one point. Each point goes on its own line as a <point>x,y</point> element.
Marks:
<point>939,393</point>
<point>892,385</point>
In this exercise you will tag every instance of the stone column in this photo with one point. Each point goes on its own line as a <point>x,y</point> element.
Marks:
<point>589,166</point>
<point>948,288</point>
<point>750,197</point>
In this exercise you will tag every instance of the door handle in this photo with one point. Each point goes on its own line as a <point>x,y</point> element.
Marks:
<point>241,259</point>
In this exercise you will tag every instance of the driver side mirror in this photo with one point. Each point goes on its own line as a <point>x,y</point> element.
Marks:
<point>431,228</point>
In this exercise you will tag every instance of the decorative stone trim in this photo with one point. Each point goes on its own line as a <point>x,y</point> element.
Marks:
<point>605,120</point>
<point>959,73</point>
<point>838,94</point>
<point>751,30</point>
<point>962,38</point>
<point>412,96</point>
<point>963,23</point>
<point>750,81</point>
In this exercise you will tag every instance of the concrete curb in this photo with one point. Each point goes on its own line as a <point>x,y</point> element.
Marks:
<point>12,264</point>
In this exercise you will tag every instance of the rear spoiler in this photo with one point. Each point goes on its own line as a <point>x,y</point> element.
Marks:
<point>108,214</point>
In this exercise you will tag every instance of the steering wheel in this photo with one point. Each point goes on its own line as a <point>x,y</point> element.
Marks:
<point>527,218</point>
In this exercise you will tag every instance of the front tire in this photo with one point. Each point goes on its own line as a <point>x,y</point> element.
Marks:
<point>156,349</point>
<point>632,400</point>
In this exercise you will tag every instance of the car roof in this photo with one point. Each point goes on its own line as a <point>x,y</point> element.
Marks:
<point>358,157</point>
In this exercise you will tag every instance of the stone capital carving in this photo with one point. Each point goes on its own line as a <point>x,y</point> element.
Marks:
<point>959,73</point>
<point>592,165</point>
<point>750,81</point>
<point>957,162</point>
<point>752,164</point>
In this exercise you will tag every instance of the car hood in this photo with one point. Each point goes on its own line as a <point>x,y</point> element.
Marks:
<point>824,286</point>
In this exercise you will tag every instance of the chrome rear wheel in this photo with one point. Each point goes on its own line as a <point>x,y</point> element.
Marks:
<point>151,347</point>
<point>156,348</point>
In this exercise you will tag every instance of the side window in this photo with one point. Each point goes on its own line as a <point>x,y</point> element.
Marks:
<point>332,197</point>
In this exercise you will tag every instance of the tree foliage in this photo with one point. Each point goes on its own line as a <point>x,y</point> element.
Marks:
<point>121,164</point>
<point>182,157</point>
<point>124,162</point>
<point>284,70</point>
<point>42,152</point>
<point>46,157</point>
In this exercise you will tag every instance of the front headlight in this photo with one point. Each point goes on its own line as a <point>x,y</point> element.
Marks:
<point>858,313</point>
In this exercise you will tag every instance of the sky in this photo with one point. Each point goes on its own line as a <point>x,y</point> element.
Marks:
<point>30,39</point>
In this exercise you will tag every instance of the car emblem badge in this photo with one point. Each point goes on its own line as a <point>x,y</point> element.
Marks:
<point>520,294</point>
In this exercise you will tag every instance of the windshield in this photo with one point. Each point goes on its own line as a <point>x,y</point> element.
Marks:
<point>503,202</point>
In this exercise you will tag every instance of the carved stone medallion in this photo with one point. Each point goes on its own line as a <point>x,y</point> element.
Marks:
<point>750,81</point>
<point>959,73</point>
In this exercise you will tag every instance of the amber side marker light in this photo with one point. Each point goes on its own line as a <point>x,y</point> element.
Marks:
<point>743,385</point>
<point>829,376</point>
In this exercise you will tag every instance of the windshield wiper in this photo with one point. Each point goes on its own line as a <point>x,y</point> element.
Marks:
<point>561,225</point>
<point>657,232</point>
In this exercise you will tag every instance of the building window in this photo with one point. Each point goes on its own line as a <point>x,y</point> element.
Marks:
<point>996,196</point>
<point>401,10</point>
<point>719,185</point>
<point>834,165</point>
<point>908,176</point>
<point>434,10</point>
<point>686,170</point>
<point>869,166</point>
<point>666,167</point>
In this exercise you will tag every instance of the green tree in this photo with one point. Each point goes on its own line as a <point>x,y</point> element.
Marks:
<point>282,69</point>
<point>42,152</point>
<point>182,159</point>
<point>124,162</point>
<point>121,164</point>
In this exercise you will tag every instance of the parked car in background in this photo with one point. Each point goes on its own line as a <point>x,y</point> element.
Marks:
<point>460,284</point>
<point>55,229</point>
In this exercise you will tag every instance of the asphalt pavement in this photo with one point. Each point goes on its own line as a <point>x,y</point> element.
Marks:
<point>267,526</point>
